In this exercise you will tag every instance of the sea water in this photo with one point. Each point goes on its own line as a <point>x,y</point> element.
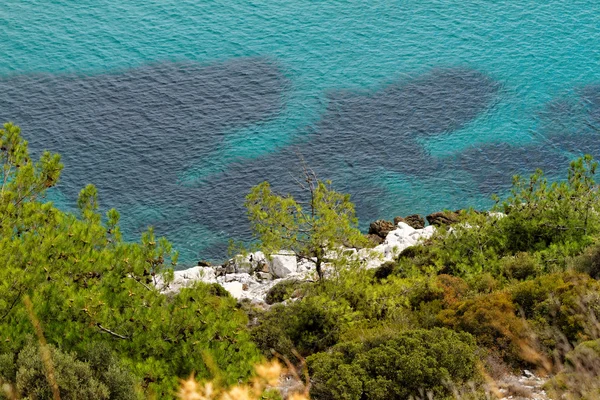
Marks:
<point>174,109</point>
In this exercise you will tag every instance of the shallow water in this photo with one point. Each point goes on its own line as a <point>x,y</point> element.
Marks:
<point>174,109</point>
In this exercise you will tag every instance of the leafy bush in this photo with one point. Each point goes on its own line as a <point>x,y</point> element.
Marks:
<point>283,290</point>
<point>555,220</point>
<point>521,266</point>
<point>579,378</point>
<point>394,368</point>
<point>88,285</point>
<point>492,321</point>
<point>100,378</point>
<point>588,262</point>
<point>308,326</point>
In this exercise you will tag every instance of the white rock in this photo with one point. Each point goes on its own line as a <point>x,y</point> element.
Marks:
<point>187,277</point>
<point>283,264</point>
<point>305,265</point>
<point>395,242</point>
<point>236,289</point>
<point>243,278</point>
<point>249,262</point>
<point>403,226</point>
<point>204,274</point>
<point>241,285</point>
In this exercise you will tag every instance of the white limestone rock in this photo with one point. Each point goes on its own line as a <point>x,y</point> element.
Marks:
<point>235,288</point>
<point>246,279</point>
<point>283,264</point>
<point>396,241</point>
<point>248,263</point>
<point>187,277</point>
<point>243,278</point>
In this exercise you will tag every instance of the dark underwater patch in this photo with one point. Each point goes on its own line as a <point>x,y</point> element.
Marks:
<point>359,136</point>
<point>129,133</point>
<point>572,122</point>
<point>493,165</point>
<point>380,129</point>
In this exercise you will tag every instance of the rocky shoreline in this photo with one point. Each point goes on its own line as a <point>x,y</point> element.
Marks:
<point>251,276</point>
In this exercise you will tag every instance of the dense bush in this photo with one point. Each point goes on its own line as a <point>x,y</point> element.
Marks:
<point>492,320</point>
<point>588,262</point>
<point>284,290</point>
<point>580,377</point>
<point>308,326</point>
<point>521,266</point>
<point>87,285</point>
<point>550,221</point>
<point>561,305</point>
<point>99,376</point>
<point>394,368</point>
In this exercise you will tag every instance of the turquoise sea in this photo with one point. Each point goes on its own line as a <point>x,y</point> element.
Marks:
<point>174,109</point>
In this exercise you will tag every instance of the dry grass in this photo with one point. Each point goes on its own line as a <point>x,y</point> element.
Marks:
<point>268,376</point>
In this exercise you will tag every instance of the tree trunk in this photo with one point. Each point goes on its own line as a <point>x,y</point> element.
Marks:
<point>319,268</point>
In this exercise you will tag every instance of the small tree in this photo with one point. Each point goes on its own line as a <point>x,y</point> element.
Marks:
<point>88,286</point>
<point>313,229</point>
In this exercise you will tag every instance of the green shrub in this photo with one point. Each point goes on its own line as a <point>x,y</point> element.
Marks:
<point>521,266</point>
<point>309,325</point>
<point>579,379</point>
<point>394,368</point>
<point>100,377</point>
<point>483,283</point>
<point>530,294</point>
<point>588,262</point>
<point>284,290</point>
<point>560,305</point>
<point>492,321</point>
<point>386,269</point>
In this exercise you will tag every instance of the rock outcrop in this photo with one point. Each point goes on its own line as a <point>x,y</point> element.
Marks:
<point>283,264</point>
<point>252,275</point>
<point>443,218</point>
<point>381,228</point>
<point>415,220</point>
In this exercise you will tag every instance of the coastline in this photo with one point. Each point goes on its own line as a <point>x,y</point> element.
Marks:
<point>251,276</point>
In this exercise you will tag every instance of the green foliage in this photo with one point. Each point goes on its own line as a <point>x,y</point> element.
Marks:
<point>550,221</point>
<point>396,367</point>
<point>588,262</point>
<point>313,231</point>
<point>540,213</point>
<point>566,303</point>
<point>492,320</point>
<point>284,290</point>
<point>89,286</point>
<point>99,378</point>
<point>579,379</point>
<point>521,266</point>
<point>310,325</point>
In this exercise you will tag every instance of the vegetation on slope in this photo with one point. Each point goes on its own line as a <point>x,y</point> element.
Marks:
<point>508,289</point>
<point>516,284</point>
<point>91,290</point>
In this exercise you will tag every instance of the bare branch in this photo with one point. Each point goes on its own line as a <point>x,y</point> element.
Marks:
<point>103,329</point>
